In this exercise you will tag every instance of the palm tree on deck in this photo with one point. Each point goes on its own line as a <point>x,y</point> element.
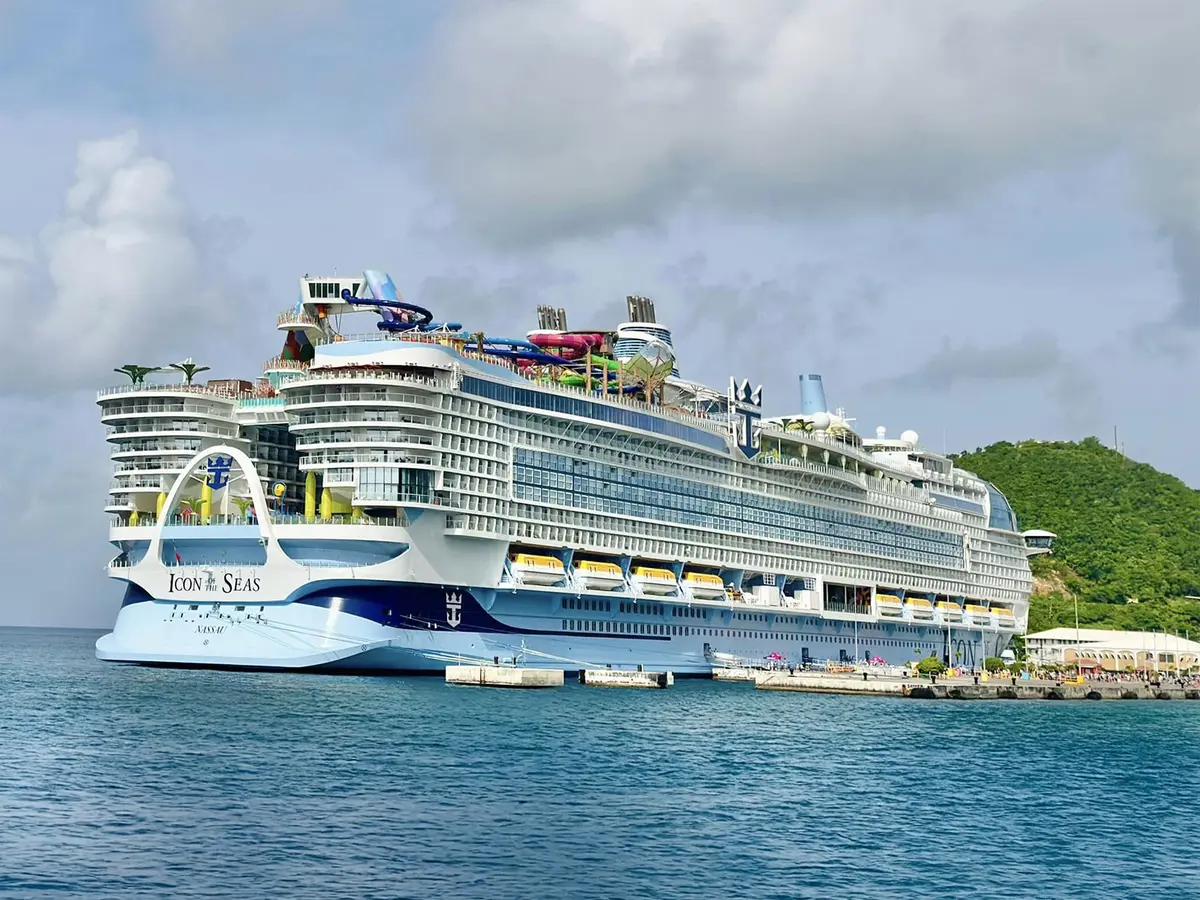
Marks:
<point>189,369</point>
<point>137,374</point>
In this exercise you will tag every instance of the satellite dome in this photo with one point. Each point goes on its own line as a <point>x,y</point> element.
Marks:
<point>881,433</point>
<point>910,437</point>
<point>821,420</point>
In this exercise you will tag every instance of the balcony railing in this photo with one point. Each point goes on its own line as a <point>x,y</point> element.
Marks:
<point>291,317</point>
<point>415,440</point>
<point>163,409</point>
<point>173,428</point>
<point>279,364</point>
<point>151,388</point>
<point>194,521</point>
<point>319,458</point>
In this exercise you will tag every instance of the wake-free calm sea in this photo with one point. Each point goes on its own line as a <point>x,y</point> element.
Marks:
<point>128,782</point>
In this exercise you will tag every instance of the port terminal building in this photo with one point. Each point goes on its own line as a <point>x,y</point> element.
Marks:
<point>1100,651</point>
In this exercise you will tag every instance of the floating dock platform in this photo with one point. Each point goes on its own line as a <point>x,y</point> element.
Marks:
<point>736,674</point>
<point>625,678</point>
<point>968,688</point>
<point>504,676</point>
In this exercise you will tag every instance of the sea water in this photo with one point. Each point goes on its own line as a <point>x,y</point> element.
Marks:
<point>118,781</point>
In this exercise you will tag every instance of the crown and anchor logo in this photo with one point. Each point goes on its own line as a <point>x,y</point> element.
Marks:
<point>453,608</point>
<point>219,468</point>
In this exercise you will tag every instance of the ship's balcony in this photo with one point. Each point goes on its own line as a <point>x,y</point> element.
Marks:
<point>316,378</point>
<point>1038,541</point>
<point>290,320</point>
<point>135,449</point>
<point>356,420</point>
<point>142,483</point>
<point>171,429</point>
<point>336,406</point>
<point>140,389</point>
<point>411,440</point>
<point>320,459</point>
<point>221,411</point>
<point>160,467</point>
<point>279,364</point>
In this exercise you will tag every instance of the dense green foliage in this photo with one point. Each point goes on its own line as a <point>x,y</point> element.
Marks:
<point>1050,608</point>
<point>1124,531</point>
<point>931,665</point>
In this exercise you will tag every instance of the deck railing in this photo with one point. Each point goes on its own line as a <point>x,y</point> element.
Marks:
<point>152,387</point>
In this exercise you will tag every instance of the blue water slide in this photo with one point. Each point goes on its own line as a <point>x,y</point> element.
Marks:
<point>515,344</point>
<point>387,308</point>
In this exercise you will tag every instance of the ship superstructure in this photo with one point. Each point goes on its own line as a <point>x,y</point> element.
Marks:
<point>424,494</point>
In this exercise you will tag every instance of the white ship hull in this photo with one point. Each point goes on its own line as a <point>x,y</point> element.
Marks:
<point>366,624</point>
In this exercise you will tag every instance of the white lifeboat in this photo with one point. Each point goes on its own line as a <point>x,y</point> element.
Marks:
<point>949,611</point>
<point>977,614</point>
<point>655,582</point>
<point>703,585</point>
<point>889,604</point>
<point>1005,617</point>
<point>599,576</point>
<point>919,607</point>
<point>542,570</point>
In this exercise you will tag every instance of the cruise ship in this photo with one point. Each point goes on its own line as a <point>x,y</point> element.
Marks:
<point>423,495</point>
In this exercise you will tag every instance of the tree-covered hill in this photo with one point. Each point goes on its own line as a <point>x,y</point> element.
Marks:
<point>1125,530</point>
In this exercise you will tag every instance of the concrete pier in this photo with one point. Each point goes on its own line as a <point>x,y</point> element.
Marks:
<point>625,678</point>
<point>816,683</point>
<point>504,676</point>
<point>737,674</point>
<point>967,688</point>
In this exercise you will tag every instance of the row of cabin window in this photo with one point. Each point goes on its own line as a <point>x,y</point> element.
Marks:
<point>827,537</point>
<point>599,478</point>
<point>653,628</point>
<point>651,609</point>
<point>567,405</point>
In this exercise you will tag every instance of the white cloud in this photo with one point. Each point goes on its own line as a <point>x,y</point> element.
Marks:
<point>576,117</point>
<point>121,276</point>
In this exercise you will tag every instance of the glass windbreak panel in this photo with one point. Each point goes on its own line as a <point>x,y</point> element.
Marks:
<point>1001,515</point>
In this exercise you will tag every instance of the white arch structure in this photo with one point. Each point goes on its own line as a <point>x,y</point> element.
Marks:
<point>259,498</point>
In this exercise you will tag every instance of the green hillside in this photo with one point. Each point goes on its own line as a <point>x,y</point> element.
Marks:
<point>1125,530</point>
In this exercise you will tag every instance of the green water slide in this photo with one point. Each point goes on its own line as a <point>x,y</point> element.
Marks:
<point>574,379</point>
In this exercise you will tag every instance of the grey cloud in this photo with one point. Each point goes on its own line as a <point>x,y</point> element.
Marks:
<point>1034,355</point>
<point>505,304</point>
<point>1034,363</point>
<point>52,486</point>
<point>762,328</point>
<point>124,274</point>
<point>1176,334</point>
<point>561,118</point>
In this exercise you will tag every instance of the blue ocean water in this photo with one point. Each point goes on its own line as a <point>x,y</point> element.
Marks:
<point>128,782</point>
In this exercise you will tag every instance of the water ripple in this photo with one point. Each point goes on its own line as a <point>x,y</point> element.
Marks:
<point>142,783</point>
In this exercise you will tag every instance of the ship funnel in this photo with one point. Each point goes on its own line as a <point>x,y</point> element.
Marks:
<point>812,395</point>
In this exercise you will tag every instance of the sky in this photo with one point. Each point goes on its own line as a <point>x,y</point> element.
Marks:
<point>978,221</point>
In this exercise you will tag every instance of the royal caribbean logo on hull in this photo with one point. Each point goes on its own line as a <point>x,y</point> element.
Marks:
<point>453,608</point>
<point>212,581</point>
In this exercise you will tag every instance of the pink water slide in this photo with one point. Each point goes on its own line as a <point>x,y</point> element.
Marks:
<point>573,346</point>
